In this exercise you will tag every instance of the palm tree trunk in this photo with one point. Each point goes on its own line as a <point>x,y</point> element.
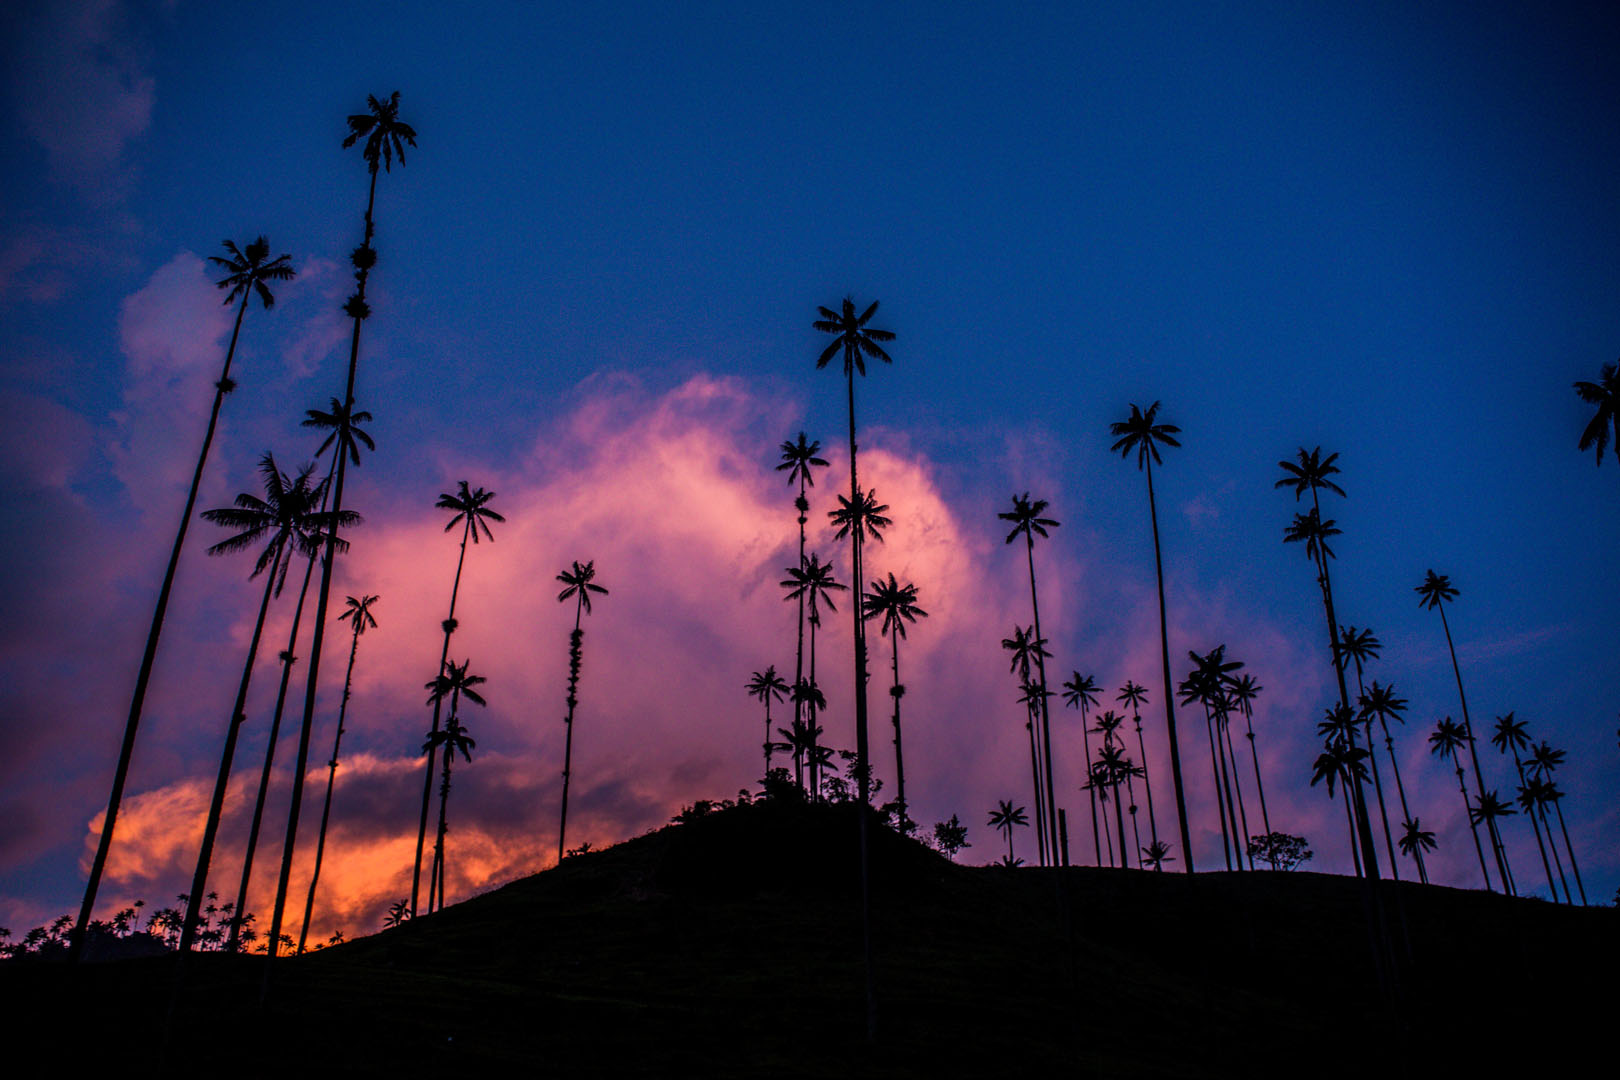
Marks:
<point>1259,784</point>
<point>1147,782</point>
<point>1046,712</point>
<point>438,845</point>
<point>1518,767</point>
<point>899,756</point>
<point>331,779</point>
<point>862,758</point>
<point>1091,789</point>
<point>1468,725</point>
<point>1215,774</point>
<point>312,681</point>
<point>449,625</point>
<point>767,732</point>
<point>1237,784</point>
<point>811,712</point>
<point>1035,774</point>
<point>1462,786</point>
<point>199,880</point>
<point>1558,862</point>
<point>1350,822</point>
<point>142,678</point>
<point>803,507</point>
<point>575,655</point>
<point>287,661</point>
<point>1573,865</point>
<point>1136,831</point>
<point>1378,789</point>
<point>1119,822</point>
<point>1169,692</point>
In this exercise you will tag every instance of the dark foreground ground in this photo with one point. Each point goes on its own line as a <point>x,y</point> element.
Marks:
<point>730,947</point>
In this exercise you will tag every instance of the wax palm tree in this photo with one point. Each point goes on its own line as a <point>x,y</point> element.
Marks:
<point>762,687</point>
<point>1139,433</point>
<point>1135,696</point>
<point>1544,761</point>
<point>1448,737</point>
<point>248,273</point>
<point>812,584</point>
<point>1383,704</point>
<point>1007,817</point>
<point>579,584</point>
<point>1156,854</point>
<point>287,520</point>
<point>1605,394</point>
<point>1241,692</point>
<point>1025,648</point>
<point>345,436</point>
<point>470,509</point>
<point>1312,472</point>
<point>1487,809</point>
<point>896,605</point>
<point>1435,593</point>
<point>1206,685</point>
<point>1337,729</point>
<point>799,460</point>
<point>1359,647</point>
<point>1080,692</point>
<point>451,738</point>
<point>385,137</point>
<point>358,615</point>
<point>1340,761</point>
<point>1109,772</point>
<point>1511,736</point>
<point>1415,840</point>
<point>800,741</point>
<point>1028,523</point>
<point>454,682</point>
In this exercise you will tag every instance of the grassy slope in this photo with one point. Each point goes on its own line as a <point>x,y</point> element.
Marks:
<point>730,947</point>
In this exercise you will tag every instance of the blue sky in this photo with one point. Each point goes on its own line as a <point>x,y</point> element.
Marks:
<point>1385,229</point>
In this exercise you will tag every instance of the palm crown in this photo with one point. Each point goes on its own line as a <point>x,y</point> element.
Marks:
<point>287,514</point>
<point>798,458</point>
<point>579,583</point>
<point>1133,695</point>
<point>343,423</point>
<point>814,581</point>
<point>1311,529</point>
<point>864,515</point>
<point>1435,590</point>
<point>385,133</point>
<point>1026,518</point>
<point>1605,394</point>
<point>854,338</point>
<point>1310,473</point>
<point>455,682</point>
<point>470,506</point>
<point>766,685</point>
<point>895,603</point>
<point>247,270</point>
<point>359,611</point>
<point>1082,691</point>
<point>1510,734</point>
<point>1139,433</point>
<point>1025,648</point>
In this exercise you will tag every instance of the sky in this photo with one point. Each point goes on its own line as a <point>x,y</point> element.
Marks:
<point>1387,230</point>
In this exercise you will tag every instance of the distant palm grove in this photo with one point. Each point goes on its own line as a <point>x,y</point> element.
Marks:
<point>1119,810</point>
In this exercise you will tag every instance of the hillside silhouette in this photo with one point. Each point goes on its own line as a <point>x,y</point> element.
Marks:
<point>729,945</point>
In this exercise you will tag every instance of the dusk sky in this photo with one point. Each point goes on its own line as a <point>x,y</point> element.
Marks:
<point>1389,230</point>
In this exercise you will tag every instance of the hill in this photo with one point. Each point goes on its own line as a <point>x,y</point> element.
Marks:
<point>730,946</point>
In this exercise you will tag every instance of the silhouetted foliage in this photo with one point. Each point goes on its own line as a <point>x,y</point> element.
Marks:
<point>950,837</point>
<point>1280,851</point>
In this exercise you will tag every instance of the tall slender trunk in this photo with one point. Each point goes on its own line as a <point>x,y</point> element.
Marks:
<point>287,661</point>
<point>1215,775</point>
<point>216,805</point>
<point>142,678</point>
<point>1479,849</point>
<point>1136,831</point>
<point>1119,822</point>
<point>1254,755</point>
<point>802,505</point>
<point>1237,785</point>
<point>1169,691</point>
<point>449,625</point>
<point>899,755</point>
<point>1147,782</point>
<point>1350,823</point>
<point>1035,774</point>
<point>576,649</point>
<point>1400,788</point>
<point>312,681</point>
<point>812,712</point>
<point>1518,767</point>
<point>1046,713</point>
<point>767,732</point>
<point>331,779</point>
<point>1573,865</point>
<point>1468,725</point>
<point>438,844</point>
<point>1558,862</point>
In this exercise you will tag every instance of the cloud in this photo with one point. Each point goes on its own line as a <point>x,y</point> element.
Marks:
<point>84,93</point>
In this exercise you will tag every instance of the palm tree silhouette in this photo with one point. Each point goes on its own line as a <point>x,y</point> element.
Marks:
<point>1156,854</point>
<point>578,583</point>
<point>1028,522</point>
<point>346,437</point>
<point>468,508</point>
<point>799,459</point>
<point>386,136</point>
<point>1241,692</point>
<point>457,683</point>
<point>1511,737</point>
<point>857,341</point>
<point>1138,432</point>
<point>1435,592</point>
<point>1025,648</point>
<point>1311,472</point>
<point>812,584</point>
<point>1382,703</point>
<point>1487,809</point>
<point>1605,394</point>
<point>288,520</point>
<point>1006,817</point>
<point>1449,737</point>
<point>1361,646</point>
<point>1133,695</point>
<point>1415,840</point>
<point>360,618</point>
<point>896,605</point>
<point>247,273</point>
<point>763,687</point>
<point>1206,684</point>
<point>1080,692</point>
<point>1544,761</point>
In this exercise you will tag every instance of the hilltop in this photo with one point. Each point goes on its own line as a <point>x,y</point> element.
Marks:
<point>730,946</point>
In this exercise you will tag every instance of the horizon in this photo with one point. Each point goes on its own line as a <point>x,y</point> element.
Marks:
<point>1383,233</point>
